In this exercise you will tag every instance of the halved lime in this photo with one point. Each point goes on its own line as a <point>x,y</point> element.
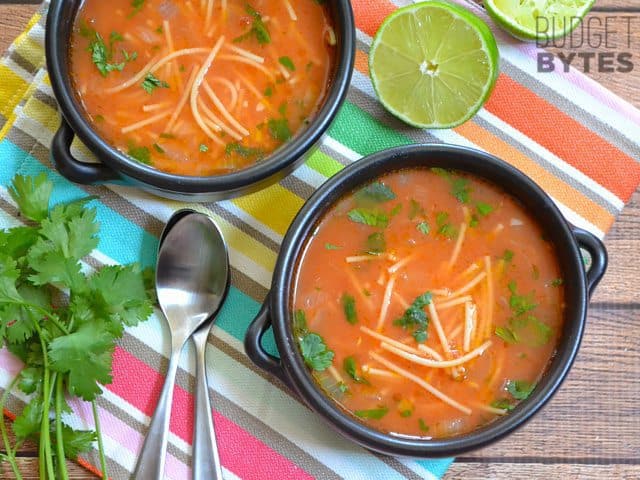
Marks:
<point>433,64</point>
<point>540,20</point>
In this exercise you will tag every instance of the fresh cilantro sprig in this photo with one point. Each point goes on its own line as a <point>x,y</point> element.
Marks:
<point>61,322</point>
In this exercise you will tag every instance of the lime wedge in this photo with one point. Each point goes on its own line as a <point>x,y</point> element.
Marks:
<point>540,20</point>
<point>433,64</point>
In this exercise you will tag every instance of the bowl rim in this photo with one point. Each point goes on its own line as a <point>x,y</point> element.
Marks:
<point>293,244</point>
<point>57,58</point>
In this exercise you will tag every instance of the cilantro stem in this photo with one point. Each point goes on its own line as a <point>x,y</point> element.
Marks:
<point>62,464</point>
<point>96,422</point>
<point>5,437</point>
<point>45,459</point>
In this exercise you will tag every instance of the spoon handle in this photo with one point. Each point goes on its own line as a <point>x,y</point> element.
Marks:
<point>150,464</point>
<point>206,462</point>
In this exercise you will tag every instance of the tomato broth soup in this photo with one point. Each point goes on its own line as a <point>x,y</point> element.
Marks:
<point>428,303</point>
<point>201,87</point>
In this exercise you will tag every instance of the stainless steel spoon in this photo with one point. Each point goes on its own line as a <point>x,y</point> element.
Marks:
<point>192,278</point>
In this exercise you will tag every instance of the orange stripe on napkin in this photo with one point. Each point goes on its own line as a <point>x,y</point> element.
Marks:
<point>368,16</point>
<point>362,62</point>
<point>560,190</point>
<point>565,137</point>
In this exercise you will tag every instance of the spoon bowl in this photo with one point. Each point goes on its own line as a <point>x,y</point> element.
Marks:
<point>192,279</point>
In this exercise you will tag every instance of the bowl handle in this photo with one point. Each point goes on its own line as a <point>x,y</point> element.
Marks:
<point>255,350</point>
<point>599,257</point>
<point>72,169</point>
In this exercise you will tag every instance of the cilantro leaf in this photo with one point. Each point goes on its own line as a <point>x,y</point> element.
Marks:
<point>315,352</point>
<point>423,227</point>
<point>503,404</point>
<point>72,230</point>
<point>50,265</point>
<point>331,246</point>
<point>423,425</point>
<point>520,303</point>
<point>484,209</point>
<point>258,28</point>
<point>101,55</point>
<point>376,192</point>
<point>141,154</point>
<point>244,152</point>
<point>28,422</point>
<point>507,256</point>
<point>86,358</point>
<point>17,241</point>
<point>520,389</point>
<point>279,129</point>
<point>287,63</point>
<point>372,414</point>
<point>30,379</point>
<point>9,274</point>
<point>416,318</point>
<point>119,292</point>
<point>373,218</point>
<point>376,244</point>
<point>300,324</point>
<point>350,366</point>
<point>445,228</point>
<point>77,441</point>
<point>349,308</point>
<point>151,82</point>
<point>32,195</point>
<point>415,209</point>
<point>507,334</point>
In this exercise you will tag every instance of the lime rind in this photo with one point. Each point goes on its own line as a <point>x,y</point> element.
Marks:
<point>465,95</point>
<point>519,18</point>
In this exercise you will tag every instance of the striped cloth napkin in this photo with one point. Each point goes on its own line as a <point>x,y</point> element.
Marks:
<point>575,138</point>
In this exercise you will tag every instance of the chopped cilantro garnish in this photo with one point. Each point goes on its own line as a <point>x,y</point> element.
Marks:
<point>315,352</point>
<point>287,63</point>
<point>258,28</point>
<point>415,318</point>
<point>507,256</point>
<point>484,209</point>
<point>203,148</point>
<point>445,228</point>
<point>373,218</point>
<point>151,82</point>
<point>137,6</point>
<point>373,414</point>
<point>520,303</point>
<point>351,368</point>
<point>158,148</point>
<point>245,152</point>
<point>423,426</point>
<point>279,129</point>
<point>415,209</point>
<point>349,308</point>
<point>376,243</point>
<point>141,154</point>
<point>520,389</point>
<point>376,192</point>
<point>331,246</point>
<point>423,227</point>
<point>102,56</point>
<point>556,282</point>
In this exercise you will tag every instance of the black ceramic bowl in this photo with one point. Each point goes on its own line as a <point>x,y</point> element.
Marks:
<point>277,309</point>
<point>117,166</point>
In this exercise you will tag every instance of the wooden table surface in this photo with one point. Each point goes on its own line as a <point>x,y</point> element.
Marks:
<point>591,428</point>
